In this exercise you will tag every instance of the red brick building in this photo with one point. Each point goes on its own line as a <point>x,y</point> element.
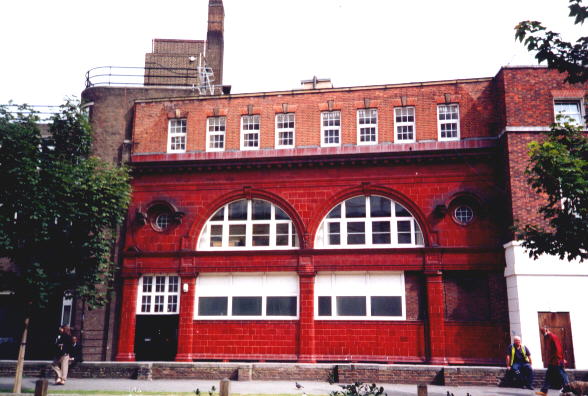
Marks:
<point>344,224</point>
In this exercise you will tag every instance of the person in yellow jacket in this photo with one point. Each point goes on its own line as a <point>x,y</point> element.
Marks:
<point>518,359</point>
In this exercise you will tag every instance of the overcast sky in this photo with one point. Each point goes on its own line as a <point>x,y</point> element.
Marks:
<point>47,46</point>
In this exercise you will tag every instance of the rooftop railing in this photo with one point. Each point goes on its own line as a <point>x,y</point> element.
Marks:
<point>144,76</point>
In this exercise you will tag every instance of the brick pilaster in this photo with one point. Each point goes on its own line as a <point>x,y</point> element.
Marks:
<point>306,335</point>
<point>436,318</point>
<point>126,339</point>
<point>186,322</point>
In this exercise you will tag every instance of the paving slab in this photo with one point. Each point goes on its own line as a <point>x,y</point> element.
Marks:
<point>137,387</point>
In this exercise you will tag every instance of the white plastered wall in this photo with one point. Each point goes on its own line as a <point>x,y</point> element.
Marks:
<point>547,284</point>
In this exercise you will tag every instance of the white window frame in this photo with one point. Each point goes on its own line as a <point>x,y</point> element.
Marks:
<point>246,121</point>
<point>155,293</point>
<point>401,112</point>
<point>177,129</point>
<point>322,240</point>
<point>364,115</point>
<point>578,117</point>
<point>359,284</point>
<point>264,285</point>
<point>205,236</point>
<point>216,127</point>
<point>455,121</point>
<point>66,303</point>
<point>281,119</point>
<point>335,126</point>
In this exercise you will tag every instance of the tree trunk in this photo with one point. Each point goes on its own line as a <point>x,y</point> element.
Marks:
<point>20,362</point>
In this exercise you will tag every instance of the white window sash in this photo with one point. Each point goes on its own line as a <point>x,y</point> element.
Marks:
<point>153,294</point>
<point>448,122</point>
<point>280,131</point>
<point>326,286</point>
<point>210,134</point>
<point>397,124</point>
<point>172,133</point>
<point>577,116</point>
<point>324,129</point>
<point>366,126</point>
<point>270,286</point>
<point>252,132</point>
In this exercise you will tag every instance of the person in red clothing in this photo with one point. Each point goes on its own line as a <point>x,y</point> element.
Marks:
<point>556,375</point>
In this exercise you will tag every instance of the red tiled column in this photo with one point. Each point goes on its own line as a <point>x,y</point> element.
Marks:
<point>436,318</point>
<point>126,338</point>
<point>186,322</point>
<point>306,337</point>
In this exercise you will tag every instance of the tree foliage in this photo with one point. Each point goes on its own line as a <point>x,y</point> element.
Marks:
<point>59,207</point>
<point>571,58</point>
<point>558,170</point>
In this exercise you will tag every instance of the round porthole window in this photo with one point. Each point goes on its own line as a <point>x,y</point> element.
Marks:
<point>463,214</point>
<point>162,221</point>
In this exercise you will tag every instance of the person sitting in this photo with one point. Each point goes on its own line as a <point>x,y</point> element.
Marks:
<point>518,361</point>
<point>75,355</point>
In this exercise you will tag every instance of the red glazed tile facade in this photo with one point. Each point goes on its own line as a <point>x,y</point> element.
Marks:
<point>428,177</point>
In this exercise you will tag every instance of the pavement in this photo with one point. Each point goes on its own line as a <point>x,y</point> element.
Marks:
<point>136,387</point>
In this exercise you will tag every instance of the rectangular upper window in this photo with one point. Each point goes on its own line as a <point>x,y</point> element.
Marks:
<point>250,132</point>
<point>367,126</point>
<point>360,296</point>
<point>448,121</point>
<point>330,128</point>
<point>285,126</point>
<point>571,108</point>
<point>247,296</point>
<point>215,133</point>
<point>158,295</point>
<point>404,125</point>
<point>176,135</point>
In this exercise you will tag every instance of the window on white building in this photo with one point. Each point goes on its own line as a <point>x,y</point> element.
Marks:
<point>250,132</point>
<point>367,126</point>
<point>66,309</point>
<point>330,128</point>
<point>448,121</point>
<point>247,296</point>
<point>404,122</point>
<point>249,224</point>
<point>215,137</point>
<point>372,222</point>
<point>285,127</point>
<point>158,295</point>
<point>360,296</point>
<point>176,135</point>
<point>571,108</point>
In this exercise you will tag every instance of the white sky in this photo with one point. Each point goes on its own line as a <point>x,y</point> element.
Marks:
<point>47,46</point>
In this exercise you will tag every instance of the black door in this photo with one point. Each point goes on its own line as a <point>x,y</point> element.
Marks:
<point>156,337</point>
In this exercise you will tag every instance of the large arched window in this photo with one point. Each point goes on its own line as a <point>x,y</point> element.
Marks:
<point>251,224</point>
<point>372,222</point>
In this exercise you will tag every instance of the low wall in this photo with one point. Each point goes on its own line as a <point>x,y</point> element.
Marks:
<point>339,373</point>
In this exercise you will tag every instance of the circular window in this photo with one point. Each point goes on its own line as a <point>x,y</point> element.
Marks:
<point>162,221</point>
<point>463,214</point>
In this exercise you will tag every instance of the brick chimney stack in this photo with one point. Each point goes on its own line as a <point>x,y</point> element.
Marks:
<point>215,39</point>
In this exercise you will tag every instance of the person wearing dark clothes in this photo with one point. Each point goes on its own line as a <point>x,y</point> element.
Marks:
<point>518,359</point>
<point>62,350</point>
<point>555,375</point>
<point>75,355</point>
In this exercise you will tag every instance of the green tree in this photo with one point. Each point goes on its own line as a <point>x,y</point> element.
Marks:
<point>561,55</point>
<point>558,170</point>
<point>59,209</point>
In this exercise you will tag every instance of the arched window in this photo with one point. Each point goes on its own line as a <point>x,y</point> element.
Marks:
<point>372,222</point>
<point>249,224</point>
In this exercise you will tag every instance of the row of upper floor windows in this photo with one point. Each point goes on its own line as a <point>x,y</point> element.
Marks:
<point>448,127</point>
<point>448,121</point>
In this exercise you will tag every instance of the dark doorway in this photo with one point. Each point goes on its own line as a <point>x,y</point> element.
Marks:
<point>559,324</point>
<point>156,337</point>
